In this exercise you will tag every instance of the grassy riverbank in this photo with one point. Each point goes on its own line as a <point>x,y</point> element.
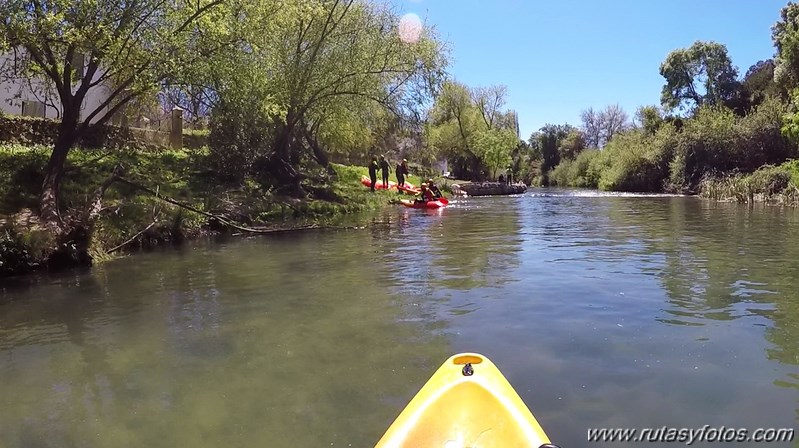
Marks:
<point>132,218</point>
<point>770,184</point>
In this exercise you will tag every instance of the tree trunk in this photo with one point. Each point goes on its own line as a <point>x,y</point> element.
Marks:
<point>281,164</point>
<point>51,187</point>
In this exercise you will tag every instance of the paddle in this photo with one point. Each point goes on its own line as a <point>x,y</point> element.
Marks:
<point>443,200</point>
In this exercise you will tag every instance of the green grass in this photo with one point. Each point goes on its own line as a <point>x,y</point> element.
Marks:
<point>769,184</point>
<point>181,175</point>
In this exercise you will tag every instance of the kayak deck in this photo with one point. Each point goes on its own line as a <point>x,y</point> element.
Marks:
<point>454,409</point>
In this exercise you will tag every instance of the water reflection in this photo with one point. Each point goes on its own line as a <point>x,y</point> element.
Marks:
<point>215,346</point>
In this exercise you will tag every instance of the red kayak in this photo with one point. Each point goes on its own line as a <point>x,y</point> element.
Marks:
<point>408,188</point>
<point>429,204</point>
<point>379,185</point>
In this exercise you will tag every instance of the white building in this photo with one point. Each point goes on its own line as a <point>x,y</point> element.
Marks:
<point>38,97</point>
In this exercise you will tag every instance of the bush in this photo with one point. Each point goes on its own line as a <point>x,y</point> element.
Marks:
<point>769,184</point>
<point>239,138</point>
<point>560,175</point>
<point>634,161</point>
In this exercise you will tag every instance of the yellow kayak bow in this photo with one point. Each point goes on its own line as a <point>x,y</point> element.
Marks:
<point>466,403</point>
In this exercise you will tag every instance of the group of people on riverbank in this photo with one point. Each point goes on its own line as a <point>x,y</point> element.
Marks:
<point>429,191</point>
<point>385,169</point>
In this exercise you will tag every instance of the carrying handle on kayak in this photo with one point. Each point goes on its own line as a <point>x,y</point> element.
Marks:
<point>548,445</point>
<point>466,361</point>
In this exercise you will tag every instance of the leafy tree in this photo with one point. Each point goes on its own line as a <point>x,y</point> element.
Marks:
<point>785,35</point>
<point>698,75</point>
<point>758,83</point>
<point>319,52</point>
<point>549,139</point>
<point>494,147</point>
<point>571,145</point>
<point>128,49</point>
<point>489,101</point>
<point>471,129</point>
<point>649,119</point>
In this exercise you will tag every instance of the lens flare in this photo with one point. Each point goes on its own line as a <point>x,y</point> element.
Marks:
<point>410,28</point>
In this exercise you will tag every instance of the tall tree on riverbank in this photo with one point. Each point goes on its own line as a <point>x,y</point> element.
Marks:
<point>698,75</point>
<point>122,49</point>
<point>317,53</point>
<point>785,35</point>
<point>549,139</point>
<point>472,129</point>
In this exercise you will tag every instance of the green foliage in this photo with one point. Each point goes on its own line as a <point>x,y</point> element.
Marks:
<point>316,77</point>
<point>580,172</point>
<point>635,162</point>
<point>547,142</point>
<point>470,128</point>
<point>240,136</point>
<point>785,35</point>
<point>572,145</point>
<point>702,74</point>
<point>759,84</point>
<point>494,147</point>
<point>660,156</point>
<point>649,119</point>
<point>717,141</point>
<point>773,184</point>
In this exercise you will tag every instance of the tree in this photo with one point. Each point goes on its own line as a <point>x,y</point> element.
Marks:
<point>759,83</point>
<point>471,129</point>
<point>549,139</point>
<point>612,120</point>
<point>600,126</point>
<point>316,53</point>
<point>571,145</point>
<point>785,35</point>
<point>700,74</point>
<point>489,101</point>
<point>128,49</point>
<point>494,147</point>
<point>592,127</point>
<point>452,127</point>
<point>649,118</point>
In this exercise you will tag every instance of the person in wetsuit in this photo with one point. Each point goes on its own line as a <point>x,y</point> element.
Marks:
<point>384,170</point>
<point>373,166</point>
<point>402,171</point>
<point>425,195</point>
<point>433,189</point>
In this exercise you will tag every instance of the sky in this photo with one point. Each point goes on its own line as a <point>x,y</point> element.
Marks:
<point>559,57</point>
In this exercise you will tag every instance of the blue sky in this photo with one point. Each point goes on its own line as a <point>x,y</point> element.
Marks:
<point>562,56</point>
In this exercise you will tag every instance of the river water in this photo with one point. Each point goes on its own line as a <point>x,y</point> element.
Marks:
<point>601,310</point>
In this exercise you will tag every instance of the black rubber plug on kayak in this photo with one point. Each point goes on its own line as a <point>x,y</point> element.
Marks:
<point>468,370</point>
<point>548,445</point>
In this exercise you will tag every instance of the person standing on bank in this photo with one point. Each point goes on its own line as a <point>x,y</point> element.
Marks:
<point>405,171</point>
<point>400,175</point>
<point>373,166</point>
<point>384,170</point>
